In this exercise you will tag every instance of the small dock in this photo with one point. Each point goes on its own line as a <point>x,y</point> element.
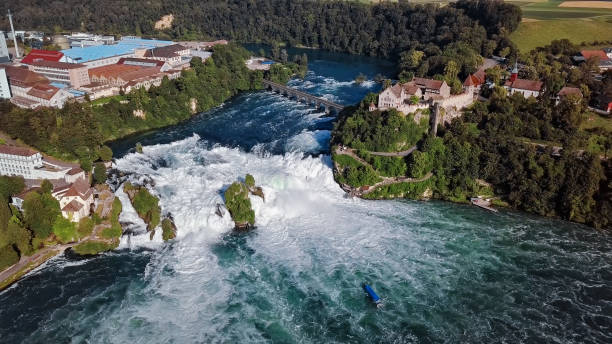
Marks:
<point>483,203</point>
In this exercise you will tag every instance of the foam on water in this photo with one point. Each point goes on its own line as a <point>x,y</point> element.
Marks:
<point>297,276</point>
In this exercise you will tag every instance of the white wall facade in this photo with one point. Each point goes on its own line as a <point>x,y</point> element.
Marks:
<point>5,88</point>
<point>18,165</point>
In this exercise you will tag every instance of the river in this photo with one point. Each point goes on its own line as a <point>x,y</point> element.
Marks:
<point>447,273</point>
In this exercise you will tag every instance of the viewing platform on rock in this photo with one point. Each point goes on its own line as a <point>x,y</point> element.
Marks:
<point>303,97</point>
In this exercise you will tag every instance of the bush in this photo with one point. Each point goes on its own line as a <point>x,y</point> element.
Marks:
<point>111,232</point>
<point>420,164</point>
<point>146,205</point>
<point>8,257</point>
<point>238,204</point>
<point>85,227</point>
<point>94,247</point>
<point>169,229</point>
<point>64,230</point>
<point>249,181</point>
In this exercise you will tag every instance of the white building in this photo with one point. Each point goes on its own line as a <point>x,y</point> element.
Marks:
<point>5,88</point>
<point>3,48</point>
<point>17,161</point>
<point>29,164</point>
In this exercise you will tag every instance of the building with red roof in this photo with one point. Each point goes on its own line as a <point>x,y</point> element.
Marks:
<point>587,54</point>
<point>31,90</point>
<point>528,88</point>
<point>40,55</point>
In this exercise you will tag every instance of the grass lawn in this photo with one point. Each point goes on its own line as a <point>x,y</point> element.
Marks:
<point>597,121</point>
<point>539,33</point>
<point>102,101</point>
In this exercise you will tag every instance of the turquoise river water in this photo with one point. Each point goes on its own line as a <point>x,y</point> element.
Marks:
<point>447,273</point>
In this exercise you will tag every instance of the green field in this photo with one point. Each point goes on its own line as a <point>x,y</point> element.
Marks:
<point>539,33</point>
<point>545,21</point>
<point>550,10</point>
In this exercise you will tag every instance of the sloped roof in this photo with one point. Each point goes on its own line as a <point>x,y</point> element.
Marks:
<point>569,90</point>
<point>73,206</point>
<point>43,91</point>
<point>428,83</point>
<point>46,55</point>
<point>139,74</point>
<point>57,65</point>
<point>111,71</point>
<point>522,84</point>
<point>167,51</point>
<point>21,151</point>
<point>133,61</point>
<point>23,77</point>
<point>75,170</point>
<point>592,53</point>
<point>396,89</point>
<point>411,88</point>
<point>80,188</point>
<point>472,80</point>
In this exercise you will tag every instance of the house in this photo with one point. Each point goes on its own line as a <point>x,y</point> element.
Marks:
<point>528,88</point>
<point>587,54</point>
<point>38,55</point>
<point>75,199</point>
<point>473,83</point>
<point>73,74</point>
<point>565,91</point>
<point>398,96</point>
<point>430,88</point>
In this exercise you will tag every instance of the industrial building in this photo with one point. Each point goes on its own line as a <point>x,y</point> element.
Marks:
<point>73,74</point>
<point>102,55</point>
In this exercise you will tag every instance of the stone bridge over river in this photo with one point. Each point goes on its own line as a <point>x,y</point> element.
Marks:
<point>303,97</point>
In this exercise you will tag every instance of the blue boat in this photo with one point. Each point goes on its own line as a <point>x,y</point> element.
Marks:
<point>371,293</point>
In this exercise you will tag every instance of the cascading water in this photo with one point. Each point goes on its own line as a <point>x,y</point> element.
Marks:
<point>446,272</point>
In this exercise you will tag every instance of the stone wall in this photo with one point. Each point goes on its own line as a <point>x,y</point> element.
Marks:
<point>458,101</point>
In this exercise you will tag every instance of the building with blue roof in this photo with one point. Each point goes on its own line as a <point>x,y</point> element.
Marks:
<point>102,55</point>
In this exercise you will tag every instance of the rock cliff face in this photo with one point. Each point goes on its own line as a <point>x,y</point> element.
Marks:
<point>238,203</point>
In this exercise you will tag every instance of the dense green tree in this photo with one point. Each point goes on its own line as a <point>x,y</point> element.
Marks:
<point>105,153</point>
<point>10,186</point>
<point>99,173</point>
<point>46,186</point>
<point>40,213</point>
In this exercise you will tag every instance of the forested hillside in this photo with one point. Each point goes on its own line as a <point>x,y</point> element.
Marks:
<point>385,29</point>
